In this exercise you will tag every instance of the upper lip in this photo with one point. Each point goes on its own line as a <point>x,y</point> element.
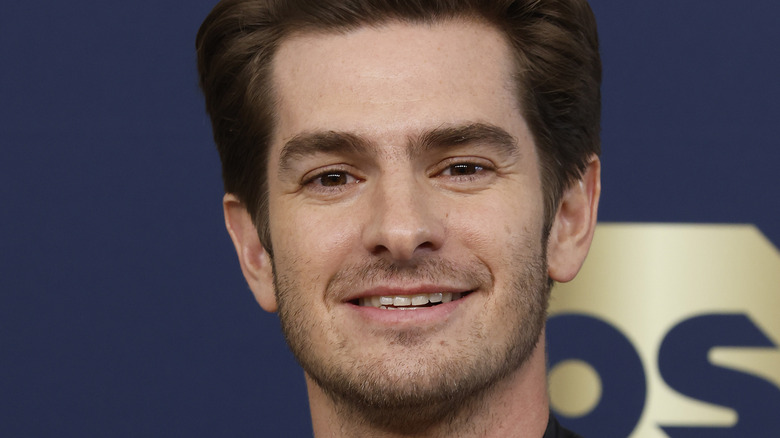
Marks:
<point>385,291</point>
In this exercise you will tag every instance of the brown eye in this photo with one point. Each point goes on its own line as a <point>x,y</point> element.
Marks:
<point>331,179</point>
<point>464,169</point>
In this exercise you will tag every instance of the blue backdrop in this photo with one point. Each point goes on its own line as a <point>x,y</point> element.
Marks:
<point>124,312</point>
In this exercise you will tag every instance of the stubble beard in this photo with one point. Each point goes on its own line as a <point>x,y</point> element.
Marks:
<point>432,389</point>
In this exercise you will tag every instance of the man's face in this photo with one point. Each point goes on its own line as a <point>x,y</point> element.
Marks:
<point>402,172</point>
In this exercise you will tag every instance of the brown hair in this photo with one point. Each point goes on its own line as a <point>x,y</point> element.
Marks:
<point>558,77</point>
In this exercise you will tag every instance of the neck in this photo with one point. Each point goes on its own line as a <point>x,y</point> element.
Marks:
<point>516,406</point>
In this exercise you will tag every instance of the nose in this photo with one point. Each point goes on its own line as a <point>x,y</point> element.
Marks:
<point>404,221</point>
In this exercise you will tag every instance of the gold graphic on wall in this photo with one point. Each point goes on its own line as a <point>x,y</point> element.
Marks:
<point>644,279</point>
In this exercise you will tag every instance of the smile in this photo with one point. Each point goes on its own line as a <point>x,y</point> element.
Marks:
<point>410,302</point>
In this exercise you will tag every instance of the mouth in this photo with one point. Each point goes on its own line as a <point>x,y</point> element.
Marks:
<point>409,302</point>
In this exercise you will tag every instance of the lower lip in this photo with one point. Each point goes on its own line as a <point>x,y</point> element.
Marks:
<point>420,316</point>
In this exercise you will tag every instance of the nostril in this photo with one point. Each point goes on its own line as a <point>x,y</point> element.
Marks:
<point>379,250</point>
<point>403,250</point>
<point>426,245</point>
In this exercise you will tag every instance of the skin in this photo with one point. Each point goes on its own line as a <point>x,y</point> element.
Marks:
<point>390,216</point>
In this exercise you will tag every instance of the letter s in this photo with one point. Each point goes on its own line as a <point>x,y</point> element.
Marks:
<point>683,363</point>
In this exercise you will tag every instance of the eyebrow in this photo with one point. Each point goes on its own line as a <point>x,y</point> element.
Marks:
<point>310,143</point>
<point>443,137</point>
<point>462,135</point>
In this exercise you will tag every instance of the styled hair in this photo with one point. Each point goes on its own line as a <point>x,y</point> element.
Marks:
<point>557,76</point>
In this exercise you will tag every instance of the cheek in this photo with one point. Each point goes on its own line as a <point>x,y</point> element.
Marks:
<point>498,224</point>
<point>312,239</point>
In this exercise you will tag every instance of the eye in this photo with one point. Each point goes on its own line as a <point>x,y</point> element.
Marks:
<point>464,173</point>
<point>332,179</point>
<point>468,168</point>
<point>463,169</point>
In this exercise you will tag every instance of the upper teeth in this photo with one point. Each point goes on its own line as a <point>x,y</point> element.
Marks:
<point>408,300</point>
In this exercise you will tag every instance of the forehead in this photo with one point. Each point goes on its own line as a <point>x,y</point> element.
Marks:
<point>399,78</point>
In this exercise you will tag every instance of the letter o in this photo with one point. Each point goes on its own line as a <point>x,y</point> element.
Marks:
<point>611,354</point>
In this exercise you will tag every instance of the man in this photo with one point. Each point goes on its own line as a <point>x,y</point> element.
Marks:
<point>405,180</point>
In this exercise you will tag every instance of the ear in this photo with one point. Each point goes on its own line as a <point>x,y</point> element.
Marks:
<point>254,260</point>
<point>574,224</point>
